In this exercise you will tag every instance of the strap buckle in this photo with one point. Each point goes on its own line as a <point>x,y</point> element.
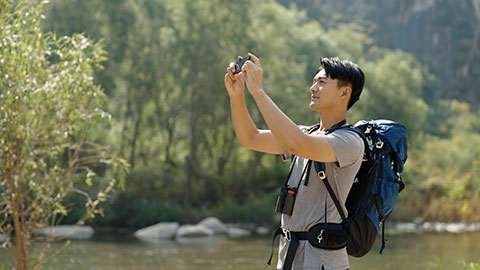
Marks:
<point>369,129</point>
<point>379,144</point>
<point>321,175</point>
<point>320,236</point>
<point>287,234</point>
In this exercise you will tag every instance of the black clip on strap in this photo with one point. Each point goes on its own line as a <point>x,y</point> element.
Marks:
<point>277,232</point>
<point>292,247</point>
<point>384,241</point>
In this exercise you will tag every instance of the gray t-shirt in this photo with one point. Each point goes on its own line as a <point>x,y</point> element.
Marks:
<point>309,206</point>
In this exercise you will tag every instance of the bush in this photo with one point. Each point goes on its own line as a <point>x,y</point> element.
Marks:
<point>255,210</point>
<point>134,211</point>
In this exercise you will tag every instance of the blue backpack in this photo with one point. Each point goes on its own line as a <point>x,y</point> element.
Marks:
<point>376,185</point>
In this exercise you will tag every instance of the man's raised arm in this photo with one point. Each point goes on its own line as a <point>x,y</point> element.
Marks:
<point>247,133</point>
<point>286,132</point>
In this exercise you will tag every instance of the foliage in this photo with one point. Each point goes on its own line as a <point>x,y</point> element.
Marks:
<point>48,103</point>
<point>448,167</point>
<point>471,266</point>
<point>443,35</point>
<point>389,95</point>
<point>164,85</point>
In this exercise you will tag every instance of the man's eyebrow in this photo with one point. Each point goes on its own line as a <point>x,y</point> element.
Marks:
<point>320,78</point>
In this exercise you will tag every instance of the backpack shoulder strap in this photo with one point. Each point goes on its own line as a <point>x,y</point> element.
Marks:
<point>360,133</point>
<point>321,173</point>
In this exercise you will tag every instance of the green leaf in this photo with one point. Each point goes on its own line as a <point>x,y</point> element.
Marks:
<point>88,181</point>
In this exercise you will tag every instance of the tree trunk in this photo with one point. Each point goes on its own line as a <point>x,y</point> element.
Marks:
<point>136,133</point>
<point>123,141</point>
<point>192,158</point>
<point>21,260</point>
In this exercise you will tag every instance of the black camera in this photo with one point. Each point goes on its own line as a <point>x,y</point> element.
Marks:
<point>286,200</point>
<point>240,62</point>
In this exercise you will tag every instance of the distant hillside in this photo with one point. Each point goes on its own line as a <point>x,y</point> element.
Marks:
<point>442,34</point>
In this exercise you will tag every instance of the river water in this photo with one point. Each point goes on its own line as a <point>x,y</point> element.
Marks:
<point>408,251</point>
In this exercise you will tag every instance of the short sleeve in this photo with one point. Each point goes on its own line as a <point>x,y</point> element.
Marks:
<point>347,145</point>
<point>286,156</point>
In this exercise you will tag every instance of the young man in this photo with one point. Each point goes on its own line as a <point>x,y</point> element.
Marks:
<point>336,87</point>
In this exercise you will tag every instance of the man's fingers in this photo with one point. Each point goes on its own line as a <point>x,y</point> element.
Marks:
<point>230,72</point>
<point>228,78</point>
<point>240,76</point>
<point>249,65</point>
<point>255,59</point>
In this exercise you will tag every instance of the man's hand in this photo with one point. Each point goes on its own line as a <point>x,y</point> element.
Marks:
<point>253,74</point>
<point>234,83</point>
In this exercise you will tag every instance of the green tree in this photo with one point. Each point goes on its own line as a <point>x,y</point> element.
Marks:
<point>444,35</point>
<point>48,104</point>
<point>393,90</point>
<point>164,84</point>
<point>160,88</point>
<point>447,171</point>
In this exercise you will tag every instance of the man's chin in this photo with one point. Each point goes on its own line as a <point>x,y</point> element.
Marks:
<point>313,107</point>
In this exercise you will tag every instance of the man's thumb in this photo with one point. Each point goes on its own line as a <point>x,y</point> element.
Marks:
<point>241,76</point>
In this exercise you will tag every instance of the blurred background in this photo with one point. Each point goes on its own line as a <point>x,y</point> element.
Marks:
<point>163,84</point>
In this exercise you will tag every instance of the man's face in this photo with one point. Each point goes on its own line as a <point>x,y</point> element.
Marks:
<point>324,92</point>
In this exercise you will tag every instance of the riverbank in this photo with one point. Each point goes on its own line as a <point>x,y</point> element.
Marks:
<point>451,227</point>
<point>212,227</point>
<point>409,251</point>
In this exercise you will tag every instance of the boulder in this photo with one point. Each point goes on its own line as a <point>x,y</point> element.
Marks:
<point>461,227</point>
<point>406,227</point>
<point>67,232</point>
<point>215,225</point>
<point>164,230</point>
<point>193,231</point>
<point>433,227</point>
<point>262,231</point>
<point>237,232</point>
<point>450,227</point>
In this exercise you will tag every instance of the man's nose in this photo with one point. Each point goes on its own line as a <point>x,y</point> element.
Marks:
<point>313,88</point>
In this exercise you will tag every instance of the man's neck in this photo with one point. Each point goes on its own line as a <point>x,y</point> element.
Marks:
<point>327,120</point>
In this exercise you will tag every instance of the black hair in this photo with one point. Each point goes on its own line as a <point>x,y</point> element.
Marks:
<point>347,73</point>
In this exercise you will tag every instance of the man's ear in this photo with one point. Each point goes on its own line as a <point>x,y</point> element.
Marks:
<point>346,92</point>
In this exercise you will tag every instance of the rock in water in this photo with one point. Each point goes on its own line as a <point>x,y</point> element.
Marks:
<point>262,231</point>
<point>215,225</point>
<point>67,232</point>
<point>237,232</point>
<point>193,231</point>
<point>164,230</point>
